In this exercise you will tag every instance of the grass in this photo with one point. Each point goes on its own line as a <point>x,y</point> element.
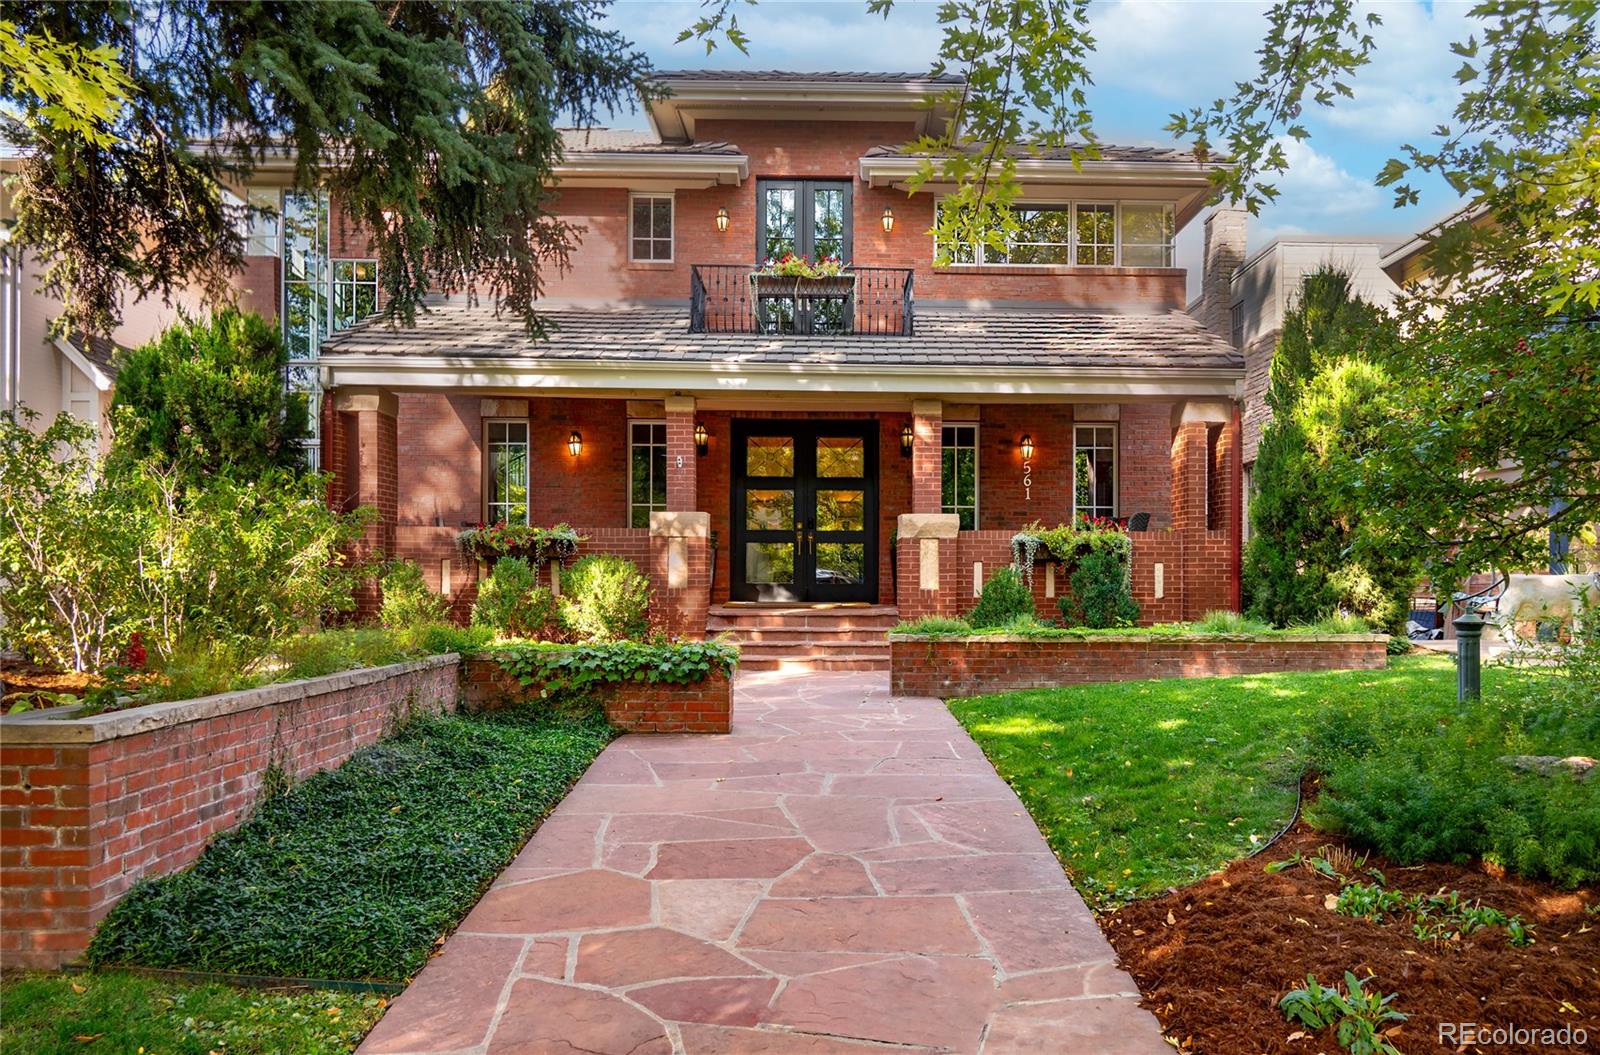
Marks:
<point>124,1013</point>
<point>1141,786</point>
<point>1214,623</point>
<point>355,872</point>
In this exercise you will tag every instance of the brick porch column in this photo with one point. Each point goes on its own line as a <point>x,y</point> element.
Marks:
<point>922,569</point>
<point>682,483</point>
<point>927,443</point>
<point>680,571</point>
<point>1206,500</point>
<point>371,443</point>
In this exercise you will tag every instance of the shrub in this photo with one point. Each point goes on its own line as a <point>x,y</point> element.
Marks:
<point>1226,622</point>
<point>605,598</point>
<point>1100,595</point>
<point>207,396</point>
<point>513,604</point>
<point>573,670</point>
<point>1005,597</point>
<point>407,601</point>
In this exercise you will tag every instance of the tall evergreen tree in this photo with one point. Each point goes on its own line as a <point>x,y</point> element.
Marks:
<point>432,121</point>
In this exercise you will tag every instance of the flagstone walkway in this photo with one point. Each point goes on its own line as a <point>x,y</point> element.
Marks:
<point>844,873</point>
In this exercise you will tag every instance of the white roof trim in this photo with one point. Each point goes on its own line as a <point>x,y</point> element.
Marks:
<point>728,169</point>
<point>99,377</point>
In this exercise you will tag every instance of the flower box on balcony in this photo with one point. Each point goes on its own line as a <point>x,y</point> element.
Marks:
<point>774,285</point>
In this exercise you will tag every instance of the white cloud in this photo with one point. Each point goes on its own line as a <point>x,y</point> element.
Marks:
<point>1184,51</point>
<point>1408,88</point>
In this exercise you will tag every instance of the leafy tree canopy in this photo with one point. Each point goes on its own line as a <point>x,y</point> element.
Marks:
<point>433,122</point>
<point>207,396</point>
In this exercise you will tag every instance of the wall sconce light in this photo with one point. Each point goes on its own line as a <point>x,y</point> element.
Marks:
<point>907,437</point>
<point>1026,443</point>
<point>575,444</point>
<point>702,439</point>
<point>888,219</point>
<point>722,219</point>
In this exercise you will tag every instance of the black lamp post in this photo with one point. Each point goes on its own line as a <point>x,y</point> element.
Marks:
<point>1469,655</point>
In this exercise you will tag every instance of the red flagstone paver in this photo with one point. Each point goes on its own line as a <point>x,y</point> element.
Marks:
<point>842,873</point>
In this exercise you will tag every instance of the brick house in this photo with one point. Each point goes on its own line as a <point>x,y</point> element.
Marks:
<point>845,453</point>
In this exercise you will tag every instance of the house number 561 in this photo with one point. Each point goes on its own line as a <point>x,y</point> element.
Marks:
<point>1027,481</point>
<point>680,461</point>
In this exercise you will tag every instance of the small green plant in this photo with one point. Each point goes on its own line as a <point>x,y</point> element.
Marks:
<point>1222,621</point>
<point>574,669</point>
<point>935,626</point>
<point>1369,901</point>
<point>605,598</point>
<point>407,601</point>
<point>1340,623</point>
<point>1005,597</point>
<point>513,604</point>
<point>1357,1016</point>
<point>1439,917</point>
<point>1101,596</point>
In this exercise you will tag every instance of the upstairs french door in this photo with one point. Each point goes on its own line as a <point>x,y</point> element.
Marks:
<point>809,218</point>
<point>804,511</point>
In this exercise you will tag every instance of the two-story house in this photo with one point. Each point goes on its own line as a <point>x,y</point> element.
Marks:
<point>816,456</point>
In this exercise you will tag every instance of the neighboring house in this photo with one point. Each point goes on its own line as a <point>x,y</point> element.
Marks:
<point>1264,289</point>
<point>869,440</point>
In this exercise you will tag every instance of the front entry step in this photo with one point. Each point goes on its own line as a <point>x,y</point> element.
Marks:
<point>806,637</point>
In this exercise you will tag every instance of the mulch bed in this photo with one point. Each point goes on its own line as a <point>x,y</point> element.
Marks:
<point>1213,959</point>
<point>24,679</point>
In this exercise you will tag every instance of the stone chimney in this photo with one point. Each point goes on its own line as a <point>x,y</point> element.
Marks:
<point>1224,254</point>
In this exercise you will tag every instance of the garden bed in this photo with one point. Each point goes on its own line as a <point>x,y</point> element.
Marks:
<point>1213,959</point>
<point>972,664</point>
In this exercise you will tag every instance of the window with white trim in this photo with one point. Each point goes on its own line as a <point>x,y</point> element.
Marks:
<point>355,291</point>
<point>506,459</point>
<point>647,471</point>
<point>1147,228</point>
<point>263,228</point>
<point>650,227</point>
<point>1094,470</point>
<point>1094,234</point>
<point>958,483</point>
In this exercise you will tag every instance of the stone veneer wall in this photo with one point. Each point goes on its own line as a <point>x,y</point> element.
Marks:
<point>633,706</point>
<point>89,805</point>
<point>971,666</point>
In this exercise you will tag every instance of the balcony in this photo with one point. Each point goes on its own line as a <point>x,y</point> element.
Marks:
<point>736,298</point>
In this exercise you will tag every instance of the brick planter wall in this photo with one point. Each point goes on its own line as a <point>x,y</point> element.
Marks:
<point>971,666</point>
<point>89,805</point>
<point>635,706</point>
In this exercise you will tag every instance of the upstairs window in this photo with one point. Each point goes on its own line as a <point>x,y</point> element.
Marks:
<point>506,464</point>
<point>1084,234</point>
<point>1094,470</point>
<point>650,228</point>
<point>1094,233</point>
<point>647,471</point>
<point>355,291</point>
<point>263,231</point>
<point>958,487</point>
<point>1146,234</point>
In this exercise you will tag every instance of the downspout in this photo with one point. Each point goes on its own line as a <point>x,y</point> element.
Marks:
<point>1236,506</point>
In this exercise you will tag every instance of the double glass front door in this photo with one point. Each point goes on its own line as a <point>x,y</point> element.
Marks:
<point>804,511</point>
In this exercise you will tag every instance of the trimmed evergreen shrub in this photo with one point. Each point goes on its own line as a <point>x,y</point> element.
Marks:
<point>513,604</point>
<point>1100,596</point>
<point>1005,597</point>
<point>407,601</point>
<point>605,598</point>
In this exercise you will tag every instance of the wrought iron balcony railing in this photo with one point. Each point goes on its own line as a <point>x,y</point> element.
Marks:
<point>736,298</point>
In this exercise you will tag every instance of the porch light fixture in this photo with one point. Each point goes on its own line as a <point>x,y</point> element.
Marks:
<point>907,437</point>
<point>722,219</point>
<point>888,219</point>
<point>575,444</point>
<point>1026,443</point>
<point>702,440</point>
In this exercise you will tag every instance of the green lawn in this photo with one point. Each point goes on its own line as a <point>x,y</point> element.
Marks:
<point>125,1014</point>
<point>1144,785</point>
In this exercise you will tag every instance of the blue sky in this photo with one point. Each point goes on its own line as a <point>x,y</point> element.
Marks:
<point>1152,57</point>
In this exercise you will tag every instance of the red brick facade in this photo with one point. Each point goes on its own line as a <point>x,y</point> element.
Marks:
<point>633,706</point>
<point>973,666</point>
<point>84,818</point>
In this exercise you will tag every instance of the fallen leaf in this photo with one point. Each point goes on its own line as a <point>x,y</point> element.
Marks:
<point>88,1038</point>
<point>76,988</point>
<point>1331,902</point>
<point>1298,1034</point>
<point>1171,919</point>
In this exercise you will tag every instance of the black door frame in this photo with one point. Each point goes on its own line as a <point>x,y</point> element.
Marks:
<point>805,588</point>
<point>805,206</point>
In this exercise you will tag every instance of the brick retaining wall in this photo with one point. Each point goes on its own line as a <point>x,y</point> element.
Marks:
<point>89,805</point>
<point>971,666</point>
<point>633,706</point>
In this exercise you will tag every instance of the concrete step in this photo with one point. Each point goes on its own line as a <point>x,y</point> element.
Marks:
<point>780,635</point>
<point>813,650</point>
<point>818,664</point>
<point>807,637</point>
<point>867,617</point>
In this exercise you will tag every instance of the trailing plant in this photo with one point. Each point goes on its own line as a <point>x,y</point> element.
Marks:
<point>1357,1016</point>
<point>407,600</point>
<point>536,545</point>
<point>513,604</point>
<point>1100,594</point>
<point>790,265</point>
<point>1005,597</point>
<point>575,669</point>
<point>605,598</point>
<point>1069,544</point>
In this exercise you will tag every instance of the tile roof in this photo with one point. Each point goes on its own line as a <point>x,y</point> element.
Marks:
<point>635,141</point>
<point>993,338</point>
<point>98,350</point>
<point>1108,152</point>
<point>799,76</point>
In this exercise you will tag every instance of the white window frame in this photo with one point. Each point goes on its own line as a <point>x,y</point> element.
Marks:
<point>334,282</point>
<point>489,445</point>
<point>1116,465</point>
<point>1116,232</point>
<point>1071,205</point>
<point>672,239</point>
<point>263,229</point>
<point>1122,241</point>
<point>977,467</point>
<point>628,482</point>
